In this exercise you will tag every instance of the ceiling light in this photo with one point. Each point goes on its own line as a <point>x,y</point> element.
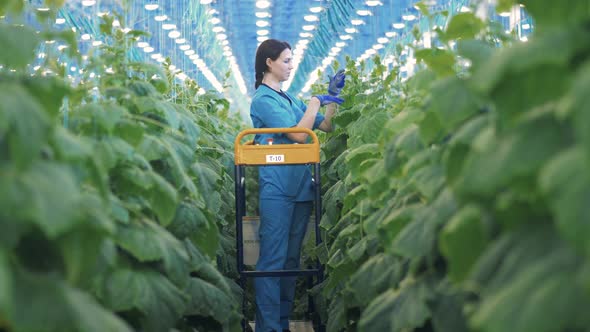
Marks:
<point>227,53</point>
<point>148,49</point>
<point>161,18</point>
<point>142,44</point>
<point>373,3</point>
<point>346,37</point>
<point>310,18</point>
<point>371,51</point>
<point>189,52</point>
<point>225,42</point>
<point>378,46</point>
<point>156,56</point>
<point>205,2</point>
<point>526,26</point>
<point>221,36</point>
<point>409,17</point>
<point>218,29</point>
<point>364,12</point>
<point>174,34</point>
<point>184,47</point>
<point>351,30</point>
<point>335,49</point>
<point>215,20</point>
<point>391,34</point>
<point>504,14</point>
<point>262,14</point>
<point>161,59</point>
<point>465,9</point>
<point>303,42</point>
<point>524,39</point>
<point>399,25</point>
<point>43,9</point>
<point>180,41</point>
<point>263,32</point>
<point>172,67</point>
<point>88,3</point>
<point>212,12</point>
<point>305,35</point>
<point>126,30</point>
<point>85,36</point>
<point>262,4</point>
<point>168,26</point>
<point>62,47</point>
<point>101,14</point>
<point>194,56</point>
<point>262,38</point>
<point>226,48</point>
<point>315,9</point>
<point>151,6</point>
<point>308,27</point>
<point>116,23</point>
<point>262,24</point>
<point>357,22</point>
<point>382,40</point>
<point>340,44</point>
<point>60,20</point>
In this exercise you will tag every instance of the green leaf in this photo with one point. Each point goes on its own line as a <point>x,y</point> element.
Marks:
<point>566,183</point>
<point>463,26</point>
<point>14,6</point>
<point>109,115</point>
<point>163,199</point>
<point>49,92</point>
<point>190,222</point>
<point>21,41</point>
<point>374,277</point>
<point>356,156</point>
<point>149,242</point>
<point>208,300</point>
<point>45,195</point>
<point>418,239</point>
<point>477,51</point>
<point>462,241</point>
<point>402,120</point>
<point>516,155</point>
<point>6,282</point>
<point>429,180</point>
<point>440,61</point>
<point>160,302</point>
<point>398,310</point>
<point>550,13</point>
<point>43,303</point>
<point>452,102</point>
<point>25,121</point>
<point>546,290</point>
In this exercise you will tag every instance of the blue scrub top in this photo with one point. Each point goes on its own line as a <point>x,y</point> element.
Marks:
<point>270,109</point>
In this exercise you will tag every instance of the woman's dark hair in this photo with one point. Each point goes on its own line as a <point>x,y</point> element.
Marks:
<point>270,48</point>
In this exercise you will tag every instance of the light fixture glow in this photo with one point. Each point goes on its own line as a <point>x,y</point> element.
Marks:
<point>262,14</point>
<point>85,36</point>
<point>399,25</point>
<point>156,56</point>
<point>340,44</point>
<point>96,43</point>
<point>310,18</point>
<point>262,4</point>
<point>373,3</point>
<point>151,6</point>
<point>161,18</point>
<point>168,26</point>
<point>215,20</point>
<point>60,20</point>
<point>218,29</point>
<point>378,46</point>
<point>148,49</point>
<point>364,12</point>
<point>305,35</point>
<point>205,2</point>
<point>43,9</point>
<point>316,10</point>
<point>346,37</point>
<point>189,52</point>
<point>357,22</point>
<point>351,30</point>
<point>526,26</point>
<point>262,32</point>
<point>390,34</point>
<point>504,14</point>
<point>308,27</point>
<point>262,24</point>
<point>371,51</point>
<point>465,9</point>
<point>142,44</point>
<point>382,40</point>
<point>261,38</point>
<point>174,34</point>
<point>184,47</point>
<point>180,41</point>
<point>221,36</point>
<point>409,17</point>
<point>88,3</point>
<point>194,56</point>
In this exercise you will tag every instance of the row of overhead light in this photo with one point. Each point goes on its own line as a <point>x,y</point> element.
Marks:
<point>183,45</point>
<point>306,37</point>
<point>221,36</point>
<point>338,46</point>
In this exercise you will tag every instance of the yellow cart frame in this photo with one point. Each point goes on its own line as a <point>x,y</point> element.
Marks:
<point>250,154</point>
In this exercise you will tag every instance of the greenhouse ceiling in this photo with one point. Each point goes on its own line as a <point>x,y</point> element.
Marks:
<point>206,39</point>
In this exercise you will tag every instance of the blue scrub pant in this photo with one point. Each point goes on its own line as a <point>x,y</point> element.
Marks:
<point>282,228</point>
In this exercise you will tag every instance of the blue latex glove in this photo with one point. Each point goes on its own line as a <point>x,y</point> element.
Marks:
<point>327,99</point>
<point>336,83</point>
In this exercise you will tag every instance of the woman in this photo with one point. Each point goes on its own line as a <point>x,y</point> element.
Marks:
<point>286,192</point>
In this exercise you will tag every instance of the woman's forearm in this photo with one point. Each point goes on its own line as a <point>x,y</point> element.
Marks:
<point>306,121</point>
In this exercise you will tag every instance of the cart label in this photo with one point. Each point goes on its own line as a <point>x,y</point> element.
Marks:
<point>275,158</point>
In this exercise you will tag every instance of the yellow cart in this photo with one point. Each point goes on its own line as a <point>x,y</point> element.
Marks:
<point>250,154</point>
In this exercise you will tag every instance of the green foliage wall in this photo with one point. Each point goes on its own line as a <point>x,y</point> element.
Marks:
<point>457,200</point>
<point>115,200</point>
